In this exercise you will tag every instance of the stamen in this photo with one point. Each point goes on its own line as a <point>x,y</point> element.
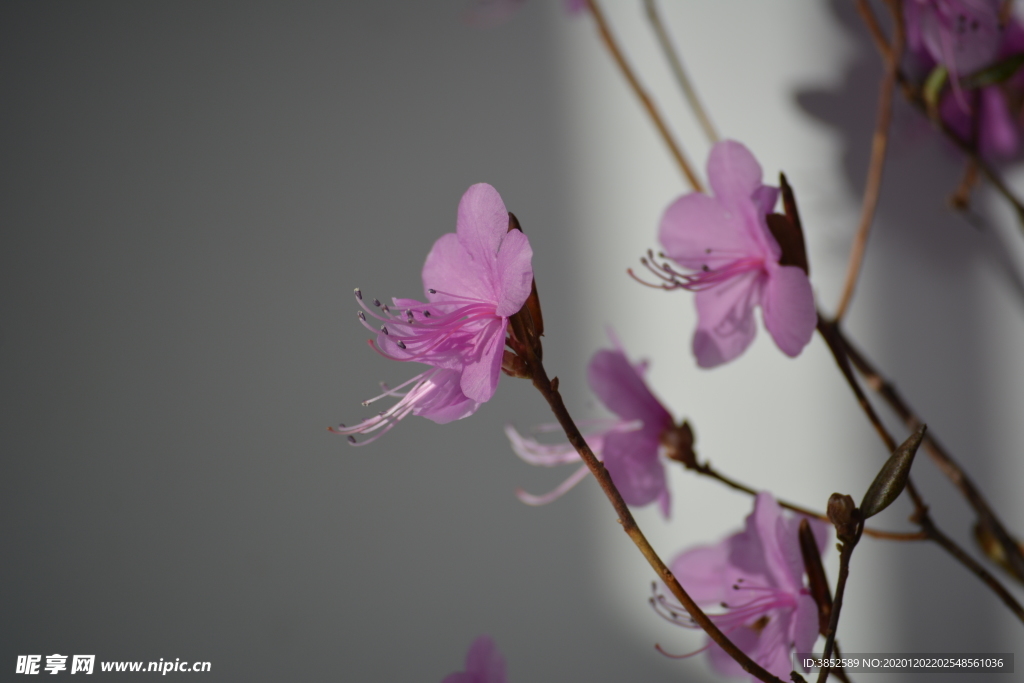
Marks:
<point>432,291</point>
<point>384,329</point>
<point>426,314</point>
<point>386,309</point>
<point>359,294</point>
<point>376,302</point>
<point>408,315</point>
<point>351,439</point>
<point>362,316</point>
<point>401,344</point>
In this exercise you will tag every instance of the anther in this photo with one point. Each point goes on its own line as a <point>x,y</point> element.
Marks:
<point>408,315</point>
<point>351,439</point>
<point>359,295</point>
<point>426,314</point>
<point>432,291</point>
<point>376,302</point>
<point>401,344</point>
<point>386,309</point>
<point>362,316</point>
<point>384,329</point>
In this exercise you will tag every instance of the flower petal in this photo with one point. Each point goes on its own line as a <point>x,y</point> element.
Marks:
<point>789,312</point>
<point>484,660</point>
<point>733,173</point>
<point>482,222</point>
<point>451,269</point>
<point>725,319</point>
<point>514,270</point>
<point>805,624</point>
<point>697,231</point>
<point>622,390</point>
<point>632,461</point>
<point>480,375</point>
<point>998,136</point>
<point>446,403</point>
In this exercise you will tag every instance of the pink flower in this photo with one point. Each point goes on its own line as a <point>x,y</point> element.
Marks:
<point>754,580</point>
<point>962,35</point>
<point>733,259</point>
<point>628,446</point>
<point>998,129</point>
<point>484,664</point>
<point>475,278</point>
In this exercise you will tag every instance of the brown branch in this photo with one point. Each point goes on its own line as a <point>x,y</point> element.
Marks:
<point>638,90</point>
<point>674,61</point>
<point>879,145</point>
<point>941,457</point>
<point>706,470</point>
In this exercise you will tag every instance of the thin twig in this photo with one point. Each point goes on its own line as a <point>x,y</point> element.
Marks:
<point>638,90</point>
<point>836,343</point>
<point>942,458</point>
<point>706,469</point>
<point>679,72</point>
<point>873,185</point>
<point>550,392</point>
<point>845,553</point>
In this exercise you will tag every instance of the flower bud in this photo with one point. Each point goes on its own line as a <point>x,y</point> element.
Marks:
<point>892,478</point>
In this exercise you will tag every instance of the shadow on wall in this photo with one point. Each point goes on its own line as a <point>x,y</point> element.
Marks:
<point>917,314</point>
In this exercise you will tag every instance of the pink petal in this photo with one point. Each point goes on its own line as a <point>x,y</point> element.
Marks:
<point>514,270</point>
<point>705,573</point>
<point>622,390</point>
<point>789,312</point>
<point>745,639</point>
<point>998,136</point>
<point>733,173</point>
<point>484,660</point>
<point>480,375</point>
<point>632,461</point>
<point>697,231</point>
<point>482,222</point>
<point>805,624</point>
<point>446,403</point>
<point>452,270</point>
<point>725,319</point>
<point>961,34</point>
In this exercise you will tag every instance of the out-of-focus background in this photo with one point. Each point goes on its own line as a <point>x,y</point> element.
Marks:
<point>190,192</point>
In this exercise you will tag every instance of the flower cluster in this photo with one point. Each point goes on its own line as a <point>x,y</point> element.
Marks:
<point>475,278</point>
<point>965,36</point>
<point>755,579</point>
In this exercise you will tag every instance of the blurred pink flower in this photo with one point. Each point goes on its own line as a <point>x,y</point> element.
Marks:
<point>484,664</point>
<point>628,446</point>
<point>962,35</point>
<point>755,577</point>
<point>733,259</point>
<point>998,129</point>
<point>475,278</point>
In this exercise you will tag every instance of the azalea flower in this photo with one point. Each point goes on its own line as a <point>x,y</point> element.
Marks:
<point>732,262</point>
<point>628,446</point>
<point>754,581</point>
<point>993,106</point>
<point>962,35</point>
<point>484,664</point>
<point>965,37</point>
<point>475,279</point>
